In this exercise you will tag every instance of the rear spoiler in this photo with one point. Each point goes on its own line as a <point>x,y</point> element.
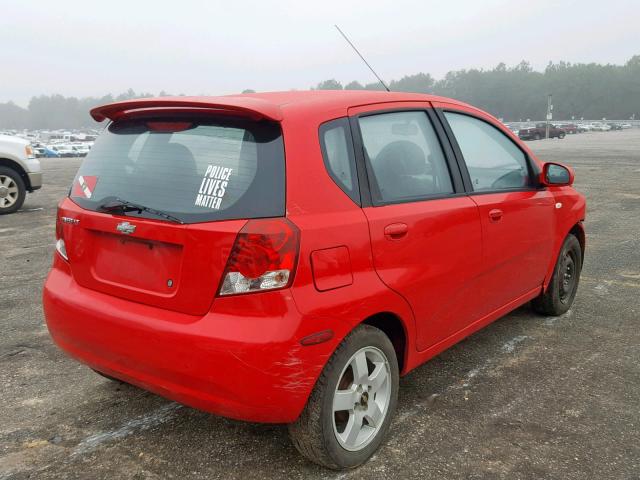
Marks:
<point>254,108</point>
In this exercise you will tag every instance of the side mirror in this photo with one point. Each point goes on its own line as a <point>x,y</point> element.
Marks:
<point>556,175</point>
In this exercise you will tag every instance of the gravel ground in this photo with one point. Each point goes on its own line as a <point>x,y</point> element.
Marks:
<point>528,397</point>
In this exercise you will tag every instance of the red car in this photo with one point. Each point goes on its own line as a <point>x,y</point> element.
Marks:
<point>284,257</point>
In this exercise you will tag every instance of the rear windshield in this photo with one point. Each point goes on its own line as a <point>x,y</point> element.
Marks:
<point>195,169</point>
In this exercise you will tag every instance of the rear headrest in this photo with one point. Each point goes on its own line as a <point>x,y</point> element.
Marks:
<point>181,153</point>
<point>405,157</point>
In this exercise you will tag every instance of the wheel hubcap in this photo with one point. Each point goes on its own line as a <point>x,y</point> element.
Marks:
<point>361,398</point>
<point>8,191</point>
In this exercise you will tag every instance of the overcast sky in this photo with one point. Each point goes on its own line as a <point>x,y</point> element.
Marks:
<point>90,48</point>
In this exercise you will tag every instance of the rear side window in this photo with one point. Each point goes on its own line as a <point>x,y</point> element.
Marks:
<point>404,157</point>
<point>494,162</point>
<point>337,152</point>
<point>196,169</point>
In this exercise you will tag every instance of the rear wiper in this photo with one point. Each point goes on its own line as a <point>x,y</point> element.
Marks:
<point>123,206</point>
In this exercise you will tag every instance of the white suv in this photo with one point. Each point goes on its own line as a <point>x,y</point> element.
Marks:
<point>20,172</point>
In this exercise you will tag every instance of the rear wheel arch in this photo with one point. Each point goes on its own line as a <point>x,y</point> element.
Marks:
<point>389,323</point>
<point>394,328</point>
<point>13,165</point>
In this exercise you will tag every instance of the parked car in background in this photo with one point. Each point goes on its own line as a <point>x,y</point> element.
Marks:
<point>584,127</point>
<point>63,150</point>
<point>615,126</point>
<point>193,261</point>
<point>569,128</point>
<point>513,128</point>
<point>626,126</point>
<point>20,172</point>
<point>80,149</point>
<point>600,127</point>
<point>540,131</point>
<point>47,152</point>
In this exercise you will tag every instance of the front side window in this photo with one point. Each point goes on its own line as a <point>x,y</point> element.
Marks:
<point>494,162</point>
<point>404,157</point>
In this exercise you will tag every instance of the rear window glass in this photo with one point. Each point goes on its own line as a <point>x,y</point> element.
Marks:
<point>195,169</point>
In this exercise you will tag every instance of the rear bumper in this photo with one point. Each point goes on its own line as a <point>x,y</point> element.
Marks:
<point>234,365</point>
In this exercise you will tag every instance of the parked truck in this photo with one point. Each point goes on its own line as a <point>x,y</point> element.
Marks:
<point>540,131</point>
<point>20,172</point>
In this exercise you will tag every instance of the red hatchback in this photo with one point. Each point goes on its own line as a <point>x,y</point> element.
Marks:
<point>284,257</point>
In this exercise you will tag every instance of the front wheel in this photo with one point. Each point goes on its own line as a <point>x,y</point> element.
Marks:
<point>12,190</point>
<point>349,411</point>
<point>558,297</point>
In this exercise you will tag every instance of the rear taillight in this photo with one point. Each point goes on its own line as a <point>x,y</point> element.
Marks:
<point>60,246</point>
<point>263,257</point>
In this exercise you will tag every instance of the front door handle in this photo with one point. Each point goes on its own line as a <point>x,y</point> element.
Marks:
<point>395,231</point>
<point>495,215</point>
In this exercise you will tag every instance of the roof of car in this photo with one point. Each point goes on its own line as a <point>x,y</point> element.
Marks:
<point>270,105</point>
<point>338,97</point>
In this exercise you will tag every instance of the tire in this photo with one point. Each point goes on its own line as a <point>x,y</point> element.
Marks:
<point>12,190</point>
<point>558,297</point>
<point>536,136</point>
<point>321,433</point>
<point>561,136</point>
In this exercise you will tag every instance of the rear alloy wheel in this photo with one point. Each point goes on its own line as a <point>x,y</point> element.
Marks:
<point>350,409</point>
<point>361,399</point>
<point>12,190</point>
<point>558,297</point>
<point>536,136</point>
<point>561,136</point>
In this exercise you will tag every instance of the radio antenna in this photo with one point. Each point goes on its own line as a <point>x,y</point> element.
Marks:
<point>360,55</point>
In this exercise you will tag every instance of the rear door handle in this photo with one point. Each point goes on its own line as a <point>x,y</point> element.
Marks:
<point>495,215</point>
<point>395,231</point>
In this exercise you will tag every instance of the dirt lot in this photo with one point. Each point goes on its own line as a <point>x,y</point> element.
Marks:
<point>528,397</point>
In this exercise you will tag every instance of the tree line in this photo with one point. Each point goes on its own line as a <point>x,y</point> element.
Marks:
<point>517,93</point>
<point>52,112</point>
<point>591,91</point>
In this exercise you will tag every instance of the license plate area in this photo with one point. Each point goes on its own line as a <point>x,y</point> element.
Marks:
<point>144,265</point>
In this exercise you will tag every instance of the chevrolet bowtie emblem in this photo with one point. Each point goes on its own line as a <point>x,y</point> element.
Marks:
<point>126,228</point>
